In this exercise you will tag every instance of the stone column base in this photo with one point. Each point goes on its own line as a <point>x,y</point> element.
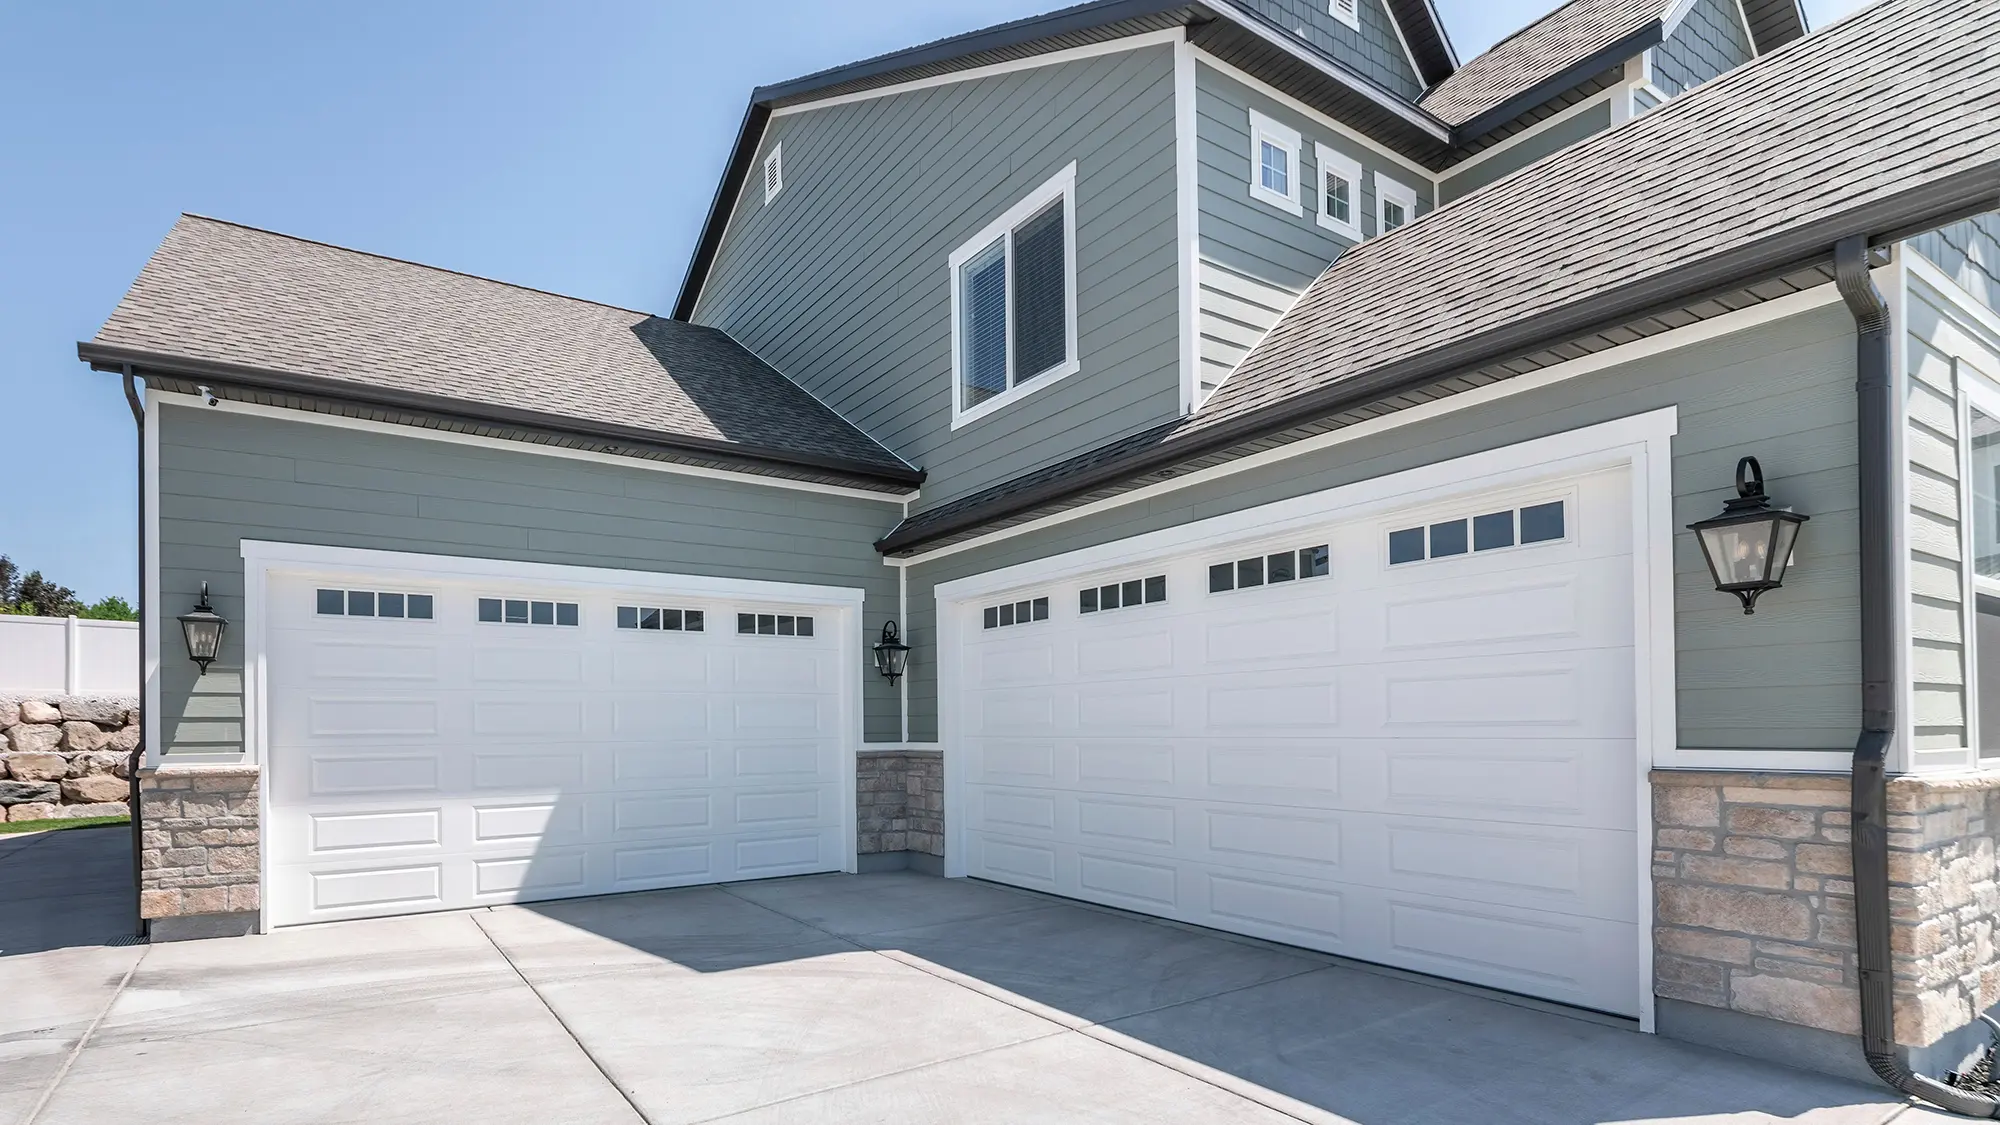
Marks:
<point>199,851</point>
<point>899,820</point>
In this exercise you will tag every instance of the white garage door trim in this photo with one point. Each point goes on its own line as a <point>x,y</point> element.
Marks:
<point>1641,443</point>
<point>262,559</point>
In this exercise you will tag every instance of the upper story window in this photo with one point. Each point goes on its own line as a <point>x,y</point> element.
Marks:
<point>1013,302</point>
<point>1339,192</point>
<point>1274,163</point>
<point>1346,11</point>
<point>774,172</point>
<point>1396,204</point>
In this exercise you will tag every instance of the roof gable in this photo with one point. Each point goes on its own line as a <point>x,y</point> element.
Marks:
<point>1577,39</point>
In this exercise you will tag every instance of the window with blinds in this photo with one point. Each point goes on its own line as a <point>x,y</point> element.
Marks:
<point>1014,298</point>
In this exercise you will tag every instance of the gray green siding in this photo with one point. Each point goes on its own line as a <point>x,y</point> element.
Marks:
<point>224,478</point>
<point>842,283</point>
<point>1786,678</point>
<point>1255,258</point>
<point>1375,51</point>
<point>1969,251</point>
<point>1507,161</point>
<point>1711,40</point>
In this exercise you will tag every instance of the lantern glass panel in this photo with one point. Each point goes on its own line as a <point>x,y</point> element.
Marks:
<point>204,638</point>
<point>1739,552</point>
<point>1781,551</point>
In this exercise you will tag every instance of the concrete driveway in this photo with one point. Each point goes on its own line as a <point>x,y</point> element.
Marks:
<point>879,998</point>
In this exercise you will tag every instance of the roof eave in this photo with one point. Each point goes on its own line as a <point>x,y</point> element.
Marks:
<point>1649,35</point>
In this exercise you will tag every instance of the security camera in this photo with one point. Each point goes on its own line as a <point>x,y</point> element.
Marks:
<point>209,395</point>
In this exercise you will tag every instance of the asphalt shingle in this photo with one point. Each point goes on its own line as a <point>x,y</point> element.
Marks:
<point>1540,51</point>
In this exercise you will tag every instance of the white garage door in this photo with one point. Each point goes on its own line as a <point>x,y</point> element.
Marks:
<point>1406,739</point>
<point>439,742</point>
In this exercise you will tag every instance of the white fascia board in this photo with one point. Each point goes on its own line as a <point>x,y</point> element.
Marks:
<point>1673,340</point>
<point>1527,134</point>
<point>1402,162</point>
<point>308,558</point>
<point>420,433</point>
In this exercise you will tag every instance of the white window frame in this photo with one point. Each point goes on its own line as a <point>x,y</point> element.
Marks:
<point>1975,392</point>
<point>1282,136</point>
<point>774,171</point>
<point>1062,185</point>
<point>1393,191</point>
<point>1346,167</point>
<point>1346,11</point>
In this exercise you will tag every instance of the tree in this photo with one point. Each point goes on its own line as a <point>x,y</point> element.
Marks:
<point>33,595</point>
<point>10,581</point>
<point>112,608</point>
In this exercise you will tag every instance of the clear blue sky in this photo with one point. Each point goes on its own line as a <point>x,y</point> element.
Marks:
<point>568,146</point>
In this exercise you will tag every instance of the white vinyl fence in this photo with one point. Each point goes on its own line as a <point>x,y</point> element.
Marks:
<point>68,656</point>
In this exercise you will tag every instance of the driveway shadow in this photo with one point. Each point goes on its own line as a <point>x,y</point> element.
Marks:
<point>65,889</point>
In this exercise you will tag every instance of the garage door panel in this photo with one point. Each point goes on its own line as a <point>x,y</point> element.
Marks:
<point>1304,630</point>
<point>664,665</point>
<point>1573,960</point>
<point>1584,782</point>
<point>1583,694</point>
<point>364,660</point>
<point>662,716</point>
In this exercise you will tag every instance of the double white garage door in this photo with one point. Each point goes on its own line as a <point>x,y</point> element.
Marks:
<point>440,742</point>
<point>1407,739</point>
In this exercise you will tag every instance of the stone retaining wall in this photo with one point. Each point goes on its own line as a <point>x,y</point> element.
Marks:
<point>900,799</point>
<point>66,756</point>
<point>198,859</point>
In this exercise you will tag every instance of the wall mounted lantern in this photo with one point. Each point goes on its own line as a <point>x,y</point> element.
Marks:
<point>1749,545</point>
<point>892,656</point>
<point>202,627</point>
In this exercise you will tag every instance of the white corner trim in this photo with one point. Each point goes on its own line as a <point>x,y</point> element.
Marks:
<point>1673,340</point>
<point>1327,160</point>
<point>1062,186</point>
<point>420,433</point>
<point>1528,134</point>
<point>1389,191</point>
<point>152,725</point>
<point>1187,223</point>
<point>1033,62</point>
<point>1242,77</point>
<point>1263,131</point>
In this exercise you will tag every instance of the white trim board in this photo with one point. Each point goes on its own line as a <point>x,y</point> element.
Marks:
<point>1787,306</point>
<point>1187,222</point>
<point>367,425</point>
<point>1641,444</point>
<point>152,725</point>
<point>1402,162</point>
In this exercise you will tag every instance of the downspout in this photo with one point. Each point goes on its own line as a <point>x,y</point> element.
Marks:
<point>1875,418</point>
<point>138,752</point>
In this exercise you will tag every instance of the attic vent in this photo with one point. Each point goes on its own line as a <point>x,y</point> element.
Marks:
<point>1346,11</point>
<point>774,173</point>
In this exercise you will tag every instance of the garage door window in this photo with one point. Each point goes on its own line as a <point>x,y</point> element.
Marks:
<point>773,625</point>
<point>1016,613</point>
<point>524,611</point>
<point>1266,570</point>
<point>374,603</point>
<point>1122,595</point>
<point>660,619</point>
<point>1493,531</point>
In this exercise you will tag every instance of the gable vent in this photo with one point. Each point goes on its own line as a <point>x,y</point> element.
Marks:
<point>774,173</point>
<point>1346,11</point>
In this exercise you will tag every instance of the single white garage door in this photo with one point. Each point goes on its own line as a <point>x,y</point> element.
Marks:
<point>1407,739</point>
<point>437,742</point>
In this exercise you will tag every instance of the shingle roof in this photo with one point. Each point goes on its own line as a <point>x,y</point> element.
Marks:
<point>1885,122</point>
<point>241,298</point>
<point>1578,31</point>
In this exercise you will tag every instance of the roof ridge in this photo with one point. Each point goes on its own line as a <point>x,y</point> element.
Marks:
<point>420,265</point>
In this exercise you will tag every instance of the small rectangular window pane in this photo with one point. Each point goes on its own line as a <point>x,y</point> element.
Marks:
<point>670,619</point>
<point>767,625</point>
<point>1007,614</point>
<point>1221,577</point>
<point>1280,567</point>
<point>1338,205</point>
<point>649,618</point>
<point>992,617</point>
<point>1156,589</point>
<point>787,625</point>
<point>541,613</point>
<point>628,617</point>
<point>361,603</point>
<point>695,621</point>
<point>1312,562</point>
<point>1132,593</point>
<point>489,609</point>
<point>1493,530</point>
<point>746,623</point>
<point>517,611</point>
<point>388,605</point>
<point>1406,545</point>
<point>333,603</point>
<point>1448,538</point>
<point>565,613</point>
<point>982,301</point>
<point>420,607</point>
<point>1041,609</point>
<point>1250,572</point>
<point>805,626</point>
<point>1542,522</point>
<point>1275,167</point>
<point>1023,612</point>
<point>1086,600</point>
<point>1393,216</point>
<point>1041,294</point>
<point>1107,596</point>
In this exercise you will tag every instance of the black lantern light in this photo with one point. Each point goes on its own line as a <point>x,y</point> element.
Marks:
<point>203,627</point>
<point>892,656</point>
<point>1749,545</point>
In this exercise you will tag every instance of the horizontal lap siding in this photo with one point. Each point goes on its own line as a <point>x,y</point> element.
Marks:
<point>1375,50</point>
<point>842,281</point>
<point>1507,161</point>
<point>1786,678</point>
<point>1710,41</point>
<point>225,478</point>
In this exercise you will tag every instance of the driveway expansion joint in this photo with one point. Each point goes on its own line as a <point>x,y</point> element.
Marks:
<point>82,1041</point>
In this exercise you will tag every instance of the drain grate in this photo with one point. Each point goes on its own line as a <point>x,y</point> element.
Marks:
<point>127,939</point>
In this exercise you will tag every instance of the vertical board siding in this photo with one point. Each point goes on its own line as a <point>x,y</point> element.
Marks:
<point>842,282</point>
<point>1784,391</point>
<point>1376,51</point>
<point>1710,41</point>
<point>1968,251</point>
<point>1507,161</point>
<point>225,478</point>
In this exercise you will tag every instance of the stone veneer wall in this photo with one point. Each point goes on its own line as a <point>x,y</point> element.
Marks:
<point>64,756</point>
<point>1754,899</point>
<point>900,799</point>
<point>198,859</point>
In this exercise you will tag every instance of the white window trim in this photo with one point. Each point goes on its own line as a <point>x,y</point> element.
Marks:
<point>1393,191</point>
<point>1351,16</point>
<point>1061,185</point>
<point>1285,137</point>
<point>774,169</point>
<point>1327,160</point>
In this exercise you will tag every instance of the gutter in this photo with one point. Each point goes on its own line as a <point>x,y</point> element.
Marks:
<point>138,757</point>
<point>1875,419</point>
<point>116,358</point>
